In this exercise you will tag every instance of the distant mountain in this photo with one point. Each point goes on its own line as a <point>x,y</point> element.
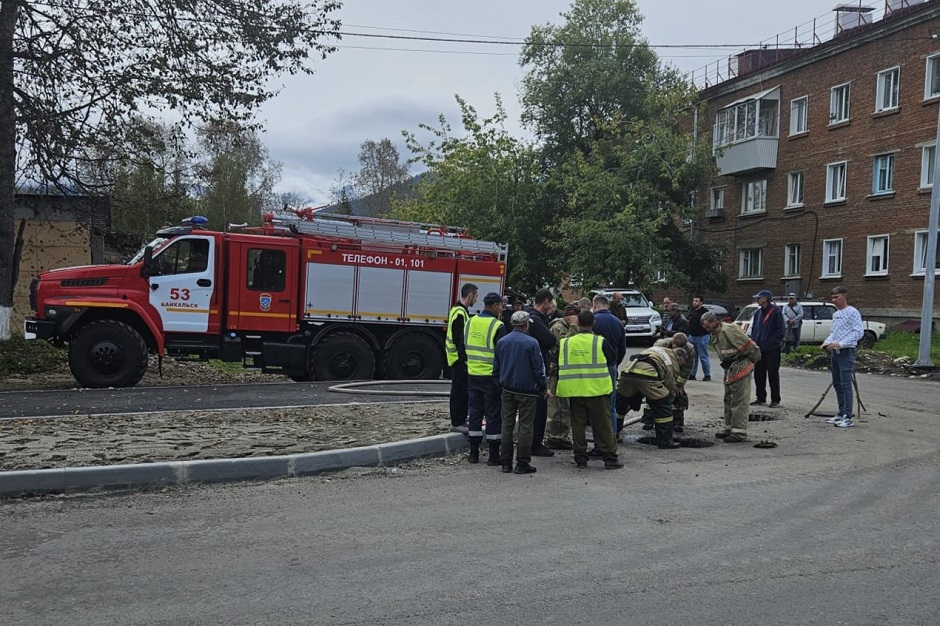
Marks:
<point>360,206</point>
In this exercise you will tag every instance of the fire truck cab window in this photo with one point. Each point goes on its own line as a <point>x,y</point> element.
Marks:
<point>266,270</point>
<point>186,256</point>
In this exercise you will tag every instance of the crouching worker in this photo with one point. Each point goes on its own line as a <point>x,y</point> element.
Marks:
<point>652,374</point>
<point>584,378</point>
<point>679,342</point>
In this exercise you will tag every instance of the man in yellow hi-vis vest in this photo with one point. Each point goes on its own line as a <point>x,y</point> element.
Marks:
<point>456,352</point>
<point>584,378</point>
<point>480,337</point>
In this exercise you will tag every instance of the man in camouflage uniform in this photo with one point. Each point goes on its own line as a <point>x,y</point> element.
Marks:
<point>738,354</point>
<point>653,375</point>
<point>558,429</point>
<point>680,343</point>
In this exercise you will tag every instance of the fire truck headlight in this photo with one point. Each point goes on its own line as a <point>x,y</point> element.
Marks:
<point>51,313</point>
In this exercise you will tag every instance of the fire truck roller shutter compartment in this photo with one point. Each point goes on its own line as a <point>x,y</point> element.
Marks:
<point>486,284</point>
<point>428,297</point>
<point>330,291</point>
<point>380,294</point>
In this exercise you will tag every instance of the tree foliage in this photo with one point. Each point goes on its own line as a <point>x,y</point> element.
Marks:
<point>487,181</point>
<point>70,69</point>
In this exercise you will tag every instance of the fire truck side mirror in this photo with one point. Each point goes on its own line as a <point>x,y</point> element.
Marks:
<point>146,269</point>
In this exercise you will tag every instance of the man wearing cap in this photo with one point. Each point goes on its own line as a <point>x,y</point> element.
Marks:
<point>738,354</point>
<point>558,428</point>
<point>584,378</point>
<point>520,370</point>
<point>767,331</point>
<point>456,353</point>
<point>482,333</point>
<point>793,318</point>
<point>540,316</point>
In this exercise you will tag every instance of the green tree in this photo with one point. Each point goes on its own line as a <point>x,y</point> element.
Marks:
<point>488,182</point>
<point>70,69</point>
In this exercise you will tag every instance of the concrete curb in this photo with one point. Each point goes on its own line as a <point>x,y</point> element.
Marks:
<point>76,479</point>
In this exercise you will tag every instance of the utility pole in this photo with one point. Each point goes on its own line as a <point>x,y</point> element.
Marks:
<point>930,261</point>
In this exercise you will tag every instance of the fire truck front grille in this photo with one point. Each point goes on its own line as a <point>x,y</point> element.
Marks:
<point>84,282</point>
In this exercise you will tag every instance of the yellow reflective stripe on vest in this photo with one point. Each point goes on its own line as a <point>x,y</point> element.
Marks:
<point>479,339</point>
<point>450,348</point>
<point>582,367</point>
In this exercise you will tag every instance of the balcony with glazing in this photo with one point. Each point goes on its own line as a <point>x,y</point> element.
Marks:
<point>746,133</point>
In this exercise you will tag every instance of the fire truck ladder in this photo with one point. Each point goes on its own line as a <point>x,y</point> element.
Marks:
<point>397,233</point>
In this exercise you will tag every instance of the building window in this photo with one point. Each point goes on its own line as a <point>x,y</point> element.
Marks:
<point>832,258</point>
<point>877,255</point>
<point>920,253</point>
<point>718,199</point>
<point>752,263</point>
<point>754,197</point>
<point>795,189</point>
<point>888,87</point>
<point>882,177</point>
<point>791,260</point>
<point>799,112</point>
<point>928,157</point>
<point>932,82</point>
<point>835,181</point>
<point>749,119</point>
<point>839,104</point>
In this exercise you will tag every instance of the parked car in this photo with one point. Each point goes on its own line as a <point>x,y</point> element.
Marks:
<point>717,305</point>
<point>643,320</point>
<point>817,322</point>
<point>722,313</point>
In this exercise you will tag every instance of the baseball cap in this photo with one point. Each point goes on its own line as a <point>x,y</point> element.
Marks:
<point>764,293</point>
<point>792,295</point>
<point>492,298</point>
<point>519,318</point>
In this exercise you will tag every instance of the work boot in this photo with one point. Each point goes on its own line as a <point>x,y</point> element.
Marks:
<point>494,459</point>
<point>507,468</point>
<point>678,421</point>
<point>523,468</point>
<point>613,463</point>
<point>474,450</point>
<point>664,437</point>
<point>647,420</point>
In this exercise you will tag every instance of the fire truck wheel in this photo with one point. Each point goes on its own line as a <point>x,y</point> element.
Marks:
<point>413,356</point>
<point>107,353</point>
<point>343,356</point>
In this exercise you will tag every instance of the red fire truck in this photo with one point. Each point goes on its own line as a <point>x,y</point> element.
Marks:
<point>313,297</point>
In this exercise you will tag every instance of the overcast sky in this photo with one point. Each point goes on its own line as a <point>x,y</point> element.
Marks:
<point>374,88</point>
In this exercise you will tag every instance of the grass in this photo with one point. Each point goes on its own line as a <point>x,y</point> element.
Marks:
<point>895,344</point>
<point>21,357</point>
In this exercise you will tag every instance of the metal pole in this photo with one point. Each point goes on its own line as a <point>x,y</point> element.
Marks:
<point>930,262</point>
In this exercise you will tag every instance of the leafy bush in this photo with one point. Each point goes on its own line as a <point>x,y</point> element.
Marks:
<point>21,357</point>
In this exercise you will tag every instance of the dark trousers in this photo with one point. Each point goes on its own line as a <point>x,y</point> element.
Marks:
<point>768,368</point>
<point>541,418</point>
<point>514,404</point>
<point>458,394</point>
<point>594,411</point>
<point>484,399</point>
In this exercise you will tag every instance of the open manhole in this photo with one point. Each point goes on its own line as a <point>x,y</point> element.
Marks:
<point>760,417</point>
<point>685,442</point>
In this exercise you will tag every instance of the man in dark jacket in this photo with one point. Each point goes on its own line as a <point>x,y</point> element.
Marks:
<point>674,322</point>
<point>520,370</point>
<point>767,332</point>
<point>609,327</point>
<point>540,316</point>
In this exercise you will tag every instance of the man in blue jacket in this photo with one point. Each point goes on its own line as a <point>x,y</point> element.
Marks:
<point>767,332</point>
<point>609,327</point>
<point>520,370</point>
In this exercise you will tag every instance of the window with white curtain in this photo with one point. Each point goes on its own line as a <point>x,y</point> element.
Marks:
<point>832,258</point>
<point>795,189</point>
<point>754,196</point>
<point>835,181</point>
<point>928,157</point>
<point>882,176</point>
<point>839,103</point>
<point>920,253</point>
<point>877,256</point>
<point>799,114</point>
<point>791,261</point>
<point>886,96</point>
<point>751,263</point>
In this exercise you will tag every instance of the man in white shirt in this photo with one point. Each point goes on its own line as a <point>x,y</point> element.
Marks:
<point>847,329</point>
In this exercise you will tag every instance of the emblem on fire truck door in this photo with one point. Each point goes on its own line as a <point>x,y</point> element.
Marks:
<point>265,301</point>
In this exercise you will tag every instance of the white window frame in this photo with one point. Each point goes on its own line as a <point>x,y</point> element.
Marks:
<point>751,259</point>
<point>795,182</point>
<point>799,115</point>
<point>754,197</point>
<point>836,181</point>
<point>920,254</point>
<point>877,254</point>
<point>717,198</point>
<point>882,174</point>
<point>927,155</point>
<point>839,106</point>
<point>887,92</point>
<point>791,260</point>
<point>932,90</point>
<point>832,250</point>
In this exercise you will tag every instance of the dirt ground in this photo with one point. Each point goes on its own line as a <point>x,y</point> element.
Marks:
<point>188,435</point>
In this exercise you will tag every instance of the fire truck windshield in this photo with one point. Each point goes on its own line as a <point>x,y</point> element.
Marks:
<point>156,243</point>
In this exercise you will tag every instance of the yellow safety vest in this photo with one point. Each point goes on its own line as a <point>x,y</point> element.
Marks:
<point>450,348</point>
<point>582,367</point>
<point>480,340</point>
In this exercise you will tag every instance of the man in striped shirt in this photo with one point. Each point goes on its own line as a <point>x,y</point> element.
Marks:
<point>847,329</point>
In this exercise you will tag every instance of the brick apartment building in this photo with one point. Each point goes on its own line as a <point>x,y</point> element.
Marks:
<point>826,155</point>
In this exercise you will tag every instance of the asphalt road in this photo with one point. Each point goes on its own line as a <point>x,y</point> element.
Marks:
<point>18,404</point>
<point>832,527</point>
